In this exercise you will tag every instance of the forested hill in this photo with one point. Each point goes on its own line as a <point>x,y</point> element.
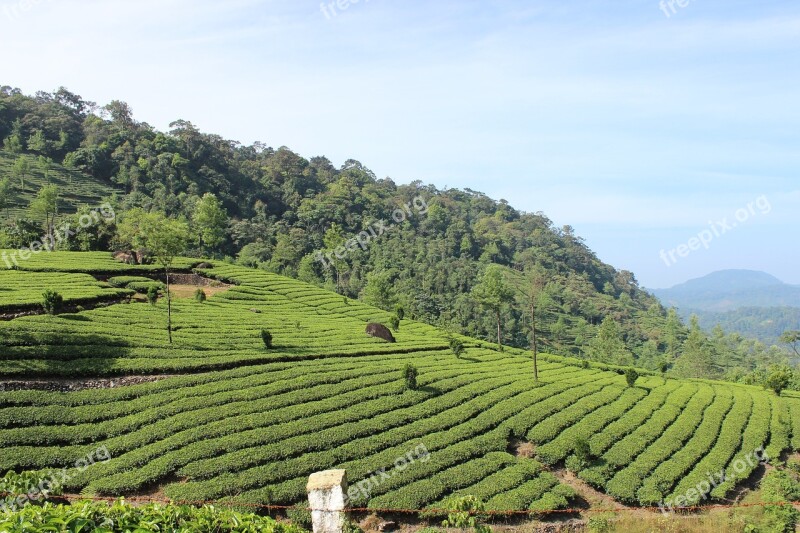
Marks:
<point>298,216</point>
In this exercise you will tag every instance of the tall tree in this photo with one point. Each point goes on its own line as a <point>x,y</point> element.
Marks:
<point>536,280</point>
<point>5,194</point>
<point>161,237</point>
<point>210,220</point>
<point>696,359</point>
<point>608,345</point>
<point>45,208</point>
<point>494,294</point>
<point>792,338</point>
<point>37,142</point>
<point>21,169</point>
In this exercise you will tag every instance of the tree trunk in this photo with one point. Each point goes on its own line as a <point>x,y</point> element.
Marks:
<point>499,338</point>
<point>169,308</point>
<point>533,344</point>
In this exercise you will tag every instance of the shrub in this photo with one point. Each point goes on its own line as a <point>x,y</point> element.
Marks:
<point>456,346</point>
<point>778,379</point>
<point>465,512</point>
<point>410,373</point>
<point>299,515</point>
<point>395,323</point>
<point>583,451</point>
<point>399,312</point>
<point>600,524</point>
<point>266,336</point>
<point>152,295</point>
<point>52,301</point>
<point>200,295</point>
<point>631,376</point>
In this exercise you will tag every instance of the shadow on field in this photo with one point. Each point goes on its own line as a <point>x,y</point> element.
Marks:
<point>27,354</point>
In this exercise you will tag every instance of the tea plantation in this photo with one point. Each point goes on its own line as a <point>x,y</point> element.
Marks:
<point>233,420</point>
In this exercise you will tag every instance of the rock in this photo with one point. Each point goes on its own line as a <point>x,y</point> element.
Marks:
<point>254,310</point>
<point>125,257</point>
<point>205,265</point>
<point>387,526</point>
<point>380,331</point>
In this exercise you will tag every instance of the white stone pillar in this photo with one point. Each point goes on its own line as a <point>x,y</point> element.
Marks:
<point>326,496</point>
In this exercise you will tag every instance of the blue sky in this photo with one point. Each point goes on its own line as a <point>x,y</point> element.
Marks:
<point>640,130</point>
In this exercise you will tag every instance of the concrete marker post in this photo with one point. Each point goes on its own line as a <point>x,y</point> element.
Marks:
<point>327,499</point>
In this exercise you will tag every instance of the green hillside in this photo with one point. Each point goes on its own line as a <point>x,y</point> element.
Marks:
<point>74,188</point>
<point>229,419</point>
<point>346,230</point>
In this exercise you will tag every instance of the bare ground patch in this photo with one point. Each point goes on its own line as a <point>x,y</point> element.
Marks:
<point>72,385</point>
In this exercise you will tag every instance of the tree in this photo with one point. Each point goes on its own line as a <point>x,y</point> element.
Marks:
<point>37,142</point>
<point>21,169</point>
<point>333,239</point>
<point>672,333</point>
<point>45,208</point>
<point>5,194</point>
<point>536,281</point>
<point>697,360</point>
<point>161,237</point>
<point>778,378</point>
<point>494,294</point>
<point>210,220</point>
<point>379,291</point>
<point>410,374</point>
<point>792,338</point>
<point>608,345</point>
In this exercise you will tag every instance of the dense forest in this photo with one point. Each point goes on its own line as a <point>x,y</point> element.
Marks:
<point>454,258</point>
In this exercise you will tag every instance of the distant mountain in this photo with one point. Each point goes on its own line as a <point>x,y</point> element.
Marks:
<point>728,290</point>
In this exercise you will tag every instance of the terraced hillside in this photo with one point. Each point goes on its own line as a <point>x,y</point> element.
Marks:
<point>229,419</point>
<point>75,188</point>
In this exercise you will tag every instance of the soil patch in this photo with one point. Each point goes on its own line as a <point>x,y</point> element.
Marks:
<point>181,290</point>
<point>72,385</point>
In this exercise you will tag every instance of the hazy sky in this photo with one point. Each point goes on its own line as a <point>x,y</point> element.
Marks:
<point>639,129</point>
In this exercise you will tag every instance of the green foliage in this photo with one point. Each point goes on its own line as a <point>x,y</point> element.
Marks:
<point>608,346</point>
<point>494,294</point>
<point>162,238</point>
<point>123,517</point>
<point>199,295</point>
<point>394,322</point>
<point>582,450</point>
<point>266,338</point>
<point>152,295</point>
<point>600,524</point>
<point>631,375</point>
<point>299,515</point>
<point>210,221</point>
<point>696,360</point>
<point>410,374</point>
<point>456,346</point>
<point>45,207</point>
<point>778,378</point>
<point>251,424</point>
<point>52,301</point>
<point>780,487</point>
<point>465,513</point>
